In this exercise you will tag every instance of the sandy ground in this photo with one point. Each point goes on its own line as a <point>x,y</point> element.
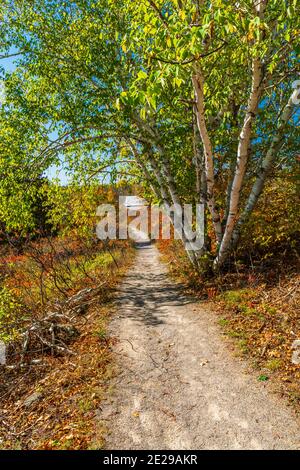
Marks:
<point>179,385</point>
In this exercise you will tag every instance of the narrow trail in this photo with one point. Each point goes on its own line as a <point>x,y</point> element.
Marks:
<point>179,386</point>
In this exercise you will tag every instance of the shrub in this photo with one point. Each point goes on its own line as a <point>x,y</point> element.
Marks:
<point>10,315</point>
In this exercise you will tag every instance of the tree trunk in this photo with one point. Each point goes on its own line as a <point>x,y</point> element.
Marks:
<point>242,160</point>
<point>265,168</point>
<point>243,149</point>
<point>198,83</point>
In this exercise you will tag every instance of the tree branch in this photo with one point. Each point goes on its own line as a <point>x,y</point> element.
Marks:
<point>189,61</point>
<point>159,13</point>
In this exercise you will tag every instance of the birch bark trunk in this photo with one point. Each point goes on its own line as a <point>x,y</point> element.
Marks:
<point>265,168</point>
<point>198,83</point>
<point>242,160</point>
<point>164,160</point>
<point>243,151</point>
<point>164,196</point>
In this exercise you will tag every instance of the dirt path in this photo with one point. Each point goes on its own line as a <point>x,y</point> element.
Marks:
<point>179,385</point>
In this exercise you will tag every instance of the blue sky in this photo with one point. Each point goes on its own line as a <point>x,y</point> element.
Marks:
<point>53,172</point>
<point>9,65</point>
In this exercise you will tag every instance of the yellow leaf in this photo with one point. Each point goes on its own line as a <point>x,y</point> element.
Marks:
<point>182,15</point>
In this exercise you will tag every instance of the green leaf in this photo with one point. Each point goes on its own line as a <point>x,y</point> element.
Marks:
<point>142,74</point>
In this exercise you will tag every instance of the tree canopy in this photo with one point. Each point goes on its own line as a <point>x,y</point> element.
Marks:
<point>196,100</point>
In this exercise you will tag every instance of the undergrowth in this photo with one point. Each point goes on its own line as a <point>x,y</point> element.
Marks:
<point>50,400</point>
<point>257,300</point>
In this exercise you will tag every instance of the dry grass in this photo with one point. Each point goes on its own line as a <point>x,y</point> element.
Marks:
<point>68,389</point>
<point>258,303</point>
